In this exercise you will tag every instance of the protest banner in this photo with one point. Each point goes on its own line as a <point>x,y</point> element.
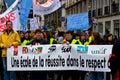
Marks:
<point>59,57</point>
<point>14,17</point>
<point>45,8</point>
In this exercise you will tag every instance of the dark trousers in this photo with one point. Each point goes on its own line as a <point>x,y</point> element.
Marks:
<point>108,76</point>
<point>1,68</point>
<point>116,75</point>
<point>37,75</point>
<point>73,74</point>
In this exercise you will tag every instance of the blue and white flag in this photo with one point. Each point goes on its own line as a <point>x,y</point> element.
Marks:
<point>24,9</point>
<point>11,8</point>
<point>9,2</point>
<point>78,21</point>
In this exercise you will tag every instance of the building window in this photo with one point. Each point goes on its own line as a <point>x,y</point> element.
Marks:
<point>116,1</point>
<point>107,27</point>
<point>80,6</point>
<point>100,28</point>
<point>75,9</point>
<point>117,28</point>
<point>100,8</point>
<point>100,3</point>
<point>107,2</point>
<point>85,8</point>
<point>115,6</point>
<point>95,4</point>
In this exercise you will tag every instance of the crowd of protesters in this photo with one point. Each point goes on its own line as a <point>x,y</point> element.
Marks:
<point>9,38</point>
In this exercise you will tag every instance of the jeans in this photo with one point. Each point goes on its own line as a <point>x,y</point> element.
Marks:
<point>8,75</point>
<point>96,75</point>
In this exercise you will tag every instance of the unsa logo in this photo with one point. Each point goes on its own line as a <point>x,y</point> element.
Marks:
<point>101,51</point>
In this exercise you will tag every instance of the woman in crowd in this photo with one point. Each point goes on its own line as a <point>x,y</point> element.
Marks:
<point>96,40</point>
<point>109,40</point>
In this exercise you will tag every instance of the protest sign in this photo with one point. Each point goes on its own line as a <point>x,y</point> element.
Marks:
<point>78,21</point>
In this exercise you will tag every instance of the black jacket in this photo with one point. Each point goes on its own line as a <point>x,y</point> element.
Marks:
<point>115,57</point>
<point>116,48</point>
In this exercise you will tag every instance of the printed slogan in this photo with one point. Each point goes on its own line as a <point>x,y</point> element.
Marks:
<point>59,57</point>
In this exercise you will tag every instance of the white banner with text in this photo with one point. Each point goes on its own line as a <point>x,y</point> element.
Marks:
<point>46,8</point>
<point>12,16</point>
<point>59,57</point>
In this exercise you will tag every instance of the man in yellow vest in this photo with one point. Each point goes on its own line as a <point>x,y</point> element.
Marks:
<point>8,38</point>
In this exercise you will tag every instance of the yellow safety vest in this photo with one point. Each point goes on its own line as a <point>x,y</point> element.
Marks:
<point>80,43</point>
<point>52,39</point>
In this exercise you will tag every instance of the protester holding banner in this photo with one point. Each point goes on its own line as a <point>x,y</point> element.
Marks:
<point>109,40</point>
<point>84,40</point>
<point>68,37</point>
<point>74,75</point>
<point>96,40</point>
<point>114,60</point>
<point>8,38</point>
<point>27,39</point>
<point>68,40</point>
<point>38,75</point>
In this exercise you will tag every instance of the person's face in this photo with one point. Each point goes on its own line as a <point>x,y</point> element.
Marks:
<point>110,38</point>
<point>26,35</point>
<point>39,35</point>
<point>9,25</point>
<point>68,36</point>
<point>77,37</point>
<point>83,37</point>
<point>21,34</point>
